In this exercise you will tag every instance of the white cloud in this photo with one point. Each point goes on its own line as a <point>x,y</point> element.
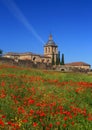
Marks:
<point>12,6</point>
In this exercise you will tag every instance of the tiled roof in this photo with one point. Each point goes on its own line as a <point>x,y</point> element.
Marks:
<point>26,53</point>
<point>78,64</point>
<point>12,53</point>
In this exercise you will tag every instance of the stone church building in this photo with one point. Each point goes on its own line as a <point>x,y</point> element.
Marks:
<point>49,48</point>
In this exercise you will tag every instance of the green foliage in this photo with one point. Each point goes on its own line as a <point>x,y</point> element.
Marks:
<point>1,52</point>
<point>41,99</point>
<point>62,60</point>
<point>58,58</point>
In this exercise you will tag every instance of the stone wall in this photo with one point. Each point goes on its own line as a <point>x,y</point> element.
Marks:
<point>25,63</point>
<point>65,68</point>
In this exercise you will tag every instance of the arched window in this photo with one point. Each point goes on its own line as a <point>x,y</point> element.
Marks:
<point>34,58</point>
<point>46,50</point>
<point>53,49</point>
<point>42,60</point>
<point>47,61</point>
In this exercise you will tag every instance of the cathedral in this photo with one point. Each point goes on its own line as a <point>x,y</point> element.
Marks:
<point>50,53</point>
<point>50,49</point>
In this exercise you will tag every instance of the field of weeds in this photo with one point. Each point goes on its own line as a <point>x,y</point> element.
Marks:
<point>44,100</point>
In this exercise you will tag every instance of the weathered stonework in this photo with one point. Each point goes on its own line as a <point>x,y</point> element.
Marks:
<point>45,60</point>
<point>49,48</point>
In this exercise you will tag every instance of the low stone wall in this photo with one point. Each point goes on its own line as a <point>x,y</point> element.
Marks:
<point>6,60</point>
<point>25,63</point>
<point>65,68</point>
<point>30,64</point>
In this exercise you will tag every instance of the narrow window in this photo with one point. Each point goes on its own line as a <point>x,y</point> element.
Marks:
<point>49,49</point>
<point>45,50</point>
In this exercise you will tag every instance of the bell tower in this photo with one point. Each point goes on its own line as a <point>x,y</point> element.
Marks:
<point>51,48</point>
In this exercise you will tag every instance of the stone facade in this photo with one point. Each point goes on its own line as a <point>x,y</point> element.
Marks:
<point>24,63</point>
<point>45,60</point>
<point>74,67</point>
<point>79,65</point>
<point>28,56</point>
<point>49,48</point>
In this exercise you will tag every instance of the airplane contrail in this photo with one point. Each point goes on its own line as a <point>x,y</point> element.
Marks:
<point>12,6</point>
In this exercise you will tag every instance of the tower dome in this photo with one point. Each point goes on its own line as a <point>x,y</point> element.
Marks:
<point>50,48</point>
<point>50,42</point>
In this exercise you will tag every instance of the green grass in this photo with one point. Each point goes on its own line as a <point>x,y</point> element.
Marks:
<point>32,99</point>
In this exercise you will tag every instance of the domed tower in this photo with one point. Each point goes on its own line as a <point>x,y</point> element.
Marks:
<point>51,48</point>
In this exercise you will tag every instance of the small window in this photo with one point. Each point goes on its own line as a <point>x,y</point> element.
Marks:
<point>45,50</point>
<point>53,49</point>
<point>42,60</point>
<point>47,61</point>
<point>34,58</point>
<point>49,49</point>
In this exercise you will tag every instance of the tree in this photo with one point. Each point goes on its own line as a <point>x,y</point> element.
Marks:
<point>62,60</point>
<point>53,61</point>
<point>1,52</point>
<point>58,58</point>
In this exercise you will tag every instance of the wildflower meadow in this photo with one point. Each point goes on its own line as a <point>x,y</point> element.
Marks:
<point>32,99</point>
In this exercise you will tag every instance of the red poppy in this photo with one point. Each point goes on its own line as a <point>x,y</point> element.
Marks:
<point>1,122</point>
<point>50,125</point>
<point>24,120</point>
<point>58,123</point>
<point>64,125</point>
<point>34,124</point>
<point>21,110</point>
<point>31,112</point>
<point>2,83</point>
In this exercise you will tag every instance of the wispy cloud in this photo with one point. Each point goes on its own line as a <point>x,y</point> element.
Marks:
<point>12,6</point>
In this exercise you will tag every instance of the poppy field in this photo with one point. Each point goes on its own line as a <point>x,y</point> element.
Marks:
<point>33,99</point>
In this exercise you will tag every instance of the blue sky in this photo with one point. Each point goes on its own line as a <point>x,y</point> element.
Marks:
<point>25,26</point>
